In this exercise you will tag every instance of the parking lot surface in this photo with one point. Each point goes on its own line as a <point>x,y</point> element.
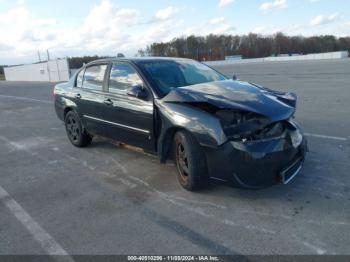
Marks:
<point>108,199</point>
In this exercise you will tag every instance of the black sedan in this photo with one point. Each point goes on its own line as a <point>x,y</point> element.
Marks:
<point>180,109</point>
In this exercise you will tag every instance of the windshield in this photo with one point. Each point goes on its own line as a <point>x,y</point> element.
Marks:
<point>167,75</point>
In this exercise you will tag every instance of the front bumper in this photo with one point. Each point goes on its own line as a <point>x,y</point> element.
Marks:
<point>259,164</point>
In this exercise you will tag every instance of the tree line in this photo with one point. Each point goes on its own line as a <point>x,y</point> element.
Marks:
<point>216,47</point>
<point>79,61</point>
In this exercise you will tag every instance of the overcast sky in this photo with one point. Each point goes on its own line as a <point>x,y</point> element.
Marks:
<point>106,27</point>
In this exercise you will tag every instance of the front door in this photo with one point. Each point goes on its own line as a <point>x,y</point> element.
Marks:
<point>130,119</point>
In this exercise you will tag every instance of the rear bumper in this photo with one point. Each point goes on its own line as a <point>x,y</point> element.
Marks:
<point>59,110</point>
<point>259,164</point>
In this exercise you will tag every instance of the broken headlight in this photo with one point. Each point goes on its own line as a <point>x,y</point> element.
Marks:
<point>230,117</point>
<point>248,126</point>
<point>239,124</point>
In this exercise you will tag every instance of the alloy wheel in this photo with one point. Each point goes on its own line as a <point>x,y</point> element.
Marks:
<point>182,161</point>
<point>73,128</point>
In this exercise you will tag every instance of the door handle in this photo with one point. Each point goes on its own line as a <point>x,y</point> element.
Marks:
<point>108,102</point>
<point>77,96</point>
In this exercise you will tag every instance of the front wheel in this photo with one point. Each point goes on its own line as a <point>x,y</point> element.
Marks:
<point>75,132</point>
<point>190,162</point>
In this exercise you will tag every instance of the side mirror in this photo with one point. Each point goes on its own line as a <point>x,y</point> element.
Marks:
<point>234,77</point>
<point>138,91</point>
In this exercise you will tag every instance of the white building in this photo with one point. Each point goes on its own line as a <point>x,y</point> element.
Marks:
<point>52,71</point>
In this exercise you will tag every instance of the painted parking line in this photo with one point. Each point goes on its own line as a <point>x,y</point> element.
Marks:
<point>327,137</point>
<point>27,99</point>
<point>47,242</point>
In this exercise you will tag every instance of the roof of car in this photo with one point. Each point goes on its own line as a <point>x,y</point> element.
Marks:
<point>137,59</point>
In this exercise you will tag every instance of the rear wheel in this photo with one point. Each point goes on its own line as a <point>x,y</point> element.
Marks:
<point>190,162</point>
<point>75,132</point>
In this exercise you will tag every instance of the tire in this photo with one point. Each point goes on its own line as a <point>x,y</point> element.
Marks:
<point>75,131</point>
<point>192,170</point>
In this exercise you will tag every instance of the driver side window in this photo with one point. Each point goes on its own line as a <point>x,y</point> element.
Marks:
<point>123,77</point>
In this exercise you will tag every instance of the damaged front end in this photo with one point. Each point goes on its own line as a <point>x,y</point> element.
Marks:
<point>246,131</point>
<point>259,153</point>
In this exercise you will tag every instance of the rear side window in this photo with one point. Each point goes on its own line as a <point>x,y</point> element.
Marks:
<point>93,77</point>
<point>80,79</point>
<point>122,77</point>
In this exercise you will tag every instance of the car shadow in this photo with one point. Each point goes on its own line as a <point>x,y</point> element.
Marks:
<point>162,178</point>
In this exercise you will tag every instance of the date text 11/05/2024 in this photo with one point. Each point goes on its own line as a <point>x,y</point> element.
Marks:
<point>173,258</point>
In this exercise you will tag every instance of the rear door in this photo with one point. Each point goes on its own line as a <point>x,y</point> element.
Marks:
<point>91,97</point>
<point>130,119</point>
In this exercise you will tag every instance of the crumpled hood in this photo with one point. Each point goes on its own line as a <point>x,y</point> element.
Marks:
<point>239,95</point>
